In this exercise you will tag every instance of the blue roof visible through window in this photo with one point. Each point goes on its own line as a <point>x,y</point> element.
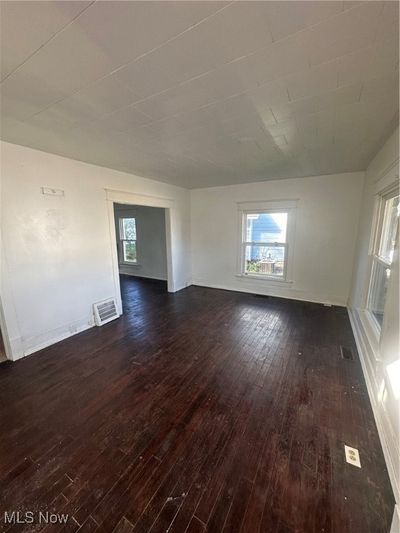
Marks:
<point>264,225</point>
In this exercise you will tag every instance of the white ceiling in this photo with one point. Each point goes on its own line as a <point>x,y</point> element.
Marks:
<point>202,93</point>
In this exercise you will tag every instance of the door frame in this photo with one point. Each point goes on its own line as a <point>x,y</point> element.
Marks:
<point>4,333</point>
<point>128,198</point>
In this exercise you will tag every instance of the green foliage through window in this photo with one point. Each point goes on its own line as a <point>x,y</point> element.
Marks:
<point>128,239</point>
<point>129,229</point>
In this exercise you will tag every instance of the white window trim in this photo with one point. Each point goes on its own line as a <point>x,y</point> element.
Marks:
<point>121,243</point>
<point>372,328</point>
<point>270,206</point>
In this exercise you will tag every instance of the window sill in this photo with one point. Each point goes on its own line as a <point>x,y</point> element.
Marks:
<point>371,330</point>
<point>130,264</point>
<point>268,279</point>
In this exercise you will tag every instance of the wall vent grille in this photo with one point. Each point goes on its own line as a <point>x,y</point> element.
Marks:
<point>105,311</point>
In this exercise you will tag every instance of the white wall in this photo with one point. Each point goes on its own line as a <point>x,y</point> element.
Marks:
<point>325,234</point>
<point>57,256</point>
<point>57,253</point>
<point>151,243</point>
<point>378,357</point>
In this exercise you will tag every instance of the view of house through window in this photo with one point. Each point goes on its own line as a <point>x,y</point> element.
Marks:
<point>382,257</point>
<point>265,243</point>
<point>127,229</point>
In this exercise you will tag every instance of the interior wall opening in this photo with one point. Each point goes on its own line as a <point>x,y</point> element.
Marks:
<point>141,243</point>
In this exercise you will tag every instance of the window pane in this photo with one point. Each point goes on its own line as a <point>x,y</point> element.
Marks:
<point>265,260</point>
<point>128,229</point>
<point>266,227</point>
<point>389,228</point>
<point>129,251</point>
<point>377,295</point>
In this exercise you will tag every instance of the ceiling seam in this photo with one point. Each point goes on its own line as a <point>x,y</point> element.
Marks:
<point>47,42</point>
<point>204,73</point>
<point>133,60</point>
<point>185,82</point>
<point>220,100</point>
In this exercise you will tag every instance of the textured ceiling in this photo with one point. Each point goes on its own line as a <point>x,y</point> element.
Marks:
<point>202,93</point>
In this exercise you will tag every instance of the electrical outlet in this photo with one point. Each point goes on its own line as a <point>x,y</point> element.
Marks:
<point>352,456</point>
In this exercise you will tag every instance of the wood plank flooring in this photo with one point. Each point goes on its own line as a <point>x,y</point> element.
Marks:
<point>200,411</point>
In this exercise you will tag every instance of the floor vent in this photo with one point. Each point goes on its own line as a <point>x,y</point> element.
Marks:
<point>105,311</point>
<point>347,353</point>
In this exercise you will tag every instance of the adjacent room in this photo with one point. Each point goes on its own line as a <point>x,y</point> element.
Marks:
<point>199,296</point>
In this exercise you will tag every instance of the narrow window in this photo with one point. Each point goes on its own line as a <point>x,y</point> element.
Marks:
<point>265,244</point>
<point>127,235</point>
<point>386,234</point>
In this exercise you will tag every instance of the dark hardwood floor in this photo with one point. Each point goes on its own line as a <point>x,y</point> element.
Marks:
<point>204,410</point>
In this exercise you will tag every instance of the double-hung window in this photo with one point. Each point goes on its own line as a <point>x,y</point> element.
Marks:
<point>384,242</point>
<point>127,237</point>
<point>265,242</point>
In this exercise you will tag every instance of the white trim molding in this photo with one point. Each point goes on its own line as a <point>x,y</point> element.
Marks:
<point>122,197</point>
<point>27,346</point>
<point>129,198</point>
<point>269,288</point>
<point>369,358</point>
<point>396,520</point>
<point>388,176</point>
<point>268,206</point>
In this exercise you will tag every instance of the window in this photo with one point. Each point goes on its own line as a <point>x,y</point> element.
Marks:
<point>127,236</point>
<point>265,243</point>
<point>385,238</point>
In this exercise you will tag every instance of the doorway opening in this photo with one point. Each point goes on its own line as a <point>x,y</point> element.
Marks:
<point>141,241</point>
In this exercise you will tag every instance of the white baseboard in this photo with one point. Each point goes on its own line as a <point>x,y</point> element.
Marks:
<point>140,275</point>
<point>273,291</point>
<point>382,421</point>
<point>182,286</point>
<point>22,347</point>
<point>396,520</point>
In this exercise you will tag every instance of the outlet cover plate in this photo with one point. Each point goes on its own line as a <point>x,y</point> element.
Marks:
<point>352,456</point>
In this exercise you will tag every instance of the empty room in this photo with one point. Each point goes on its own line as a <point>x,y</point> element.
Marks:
<point>199,297</point>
